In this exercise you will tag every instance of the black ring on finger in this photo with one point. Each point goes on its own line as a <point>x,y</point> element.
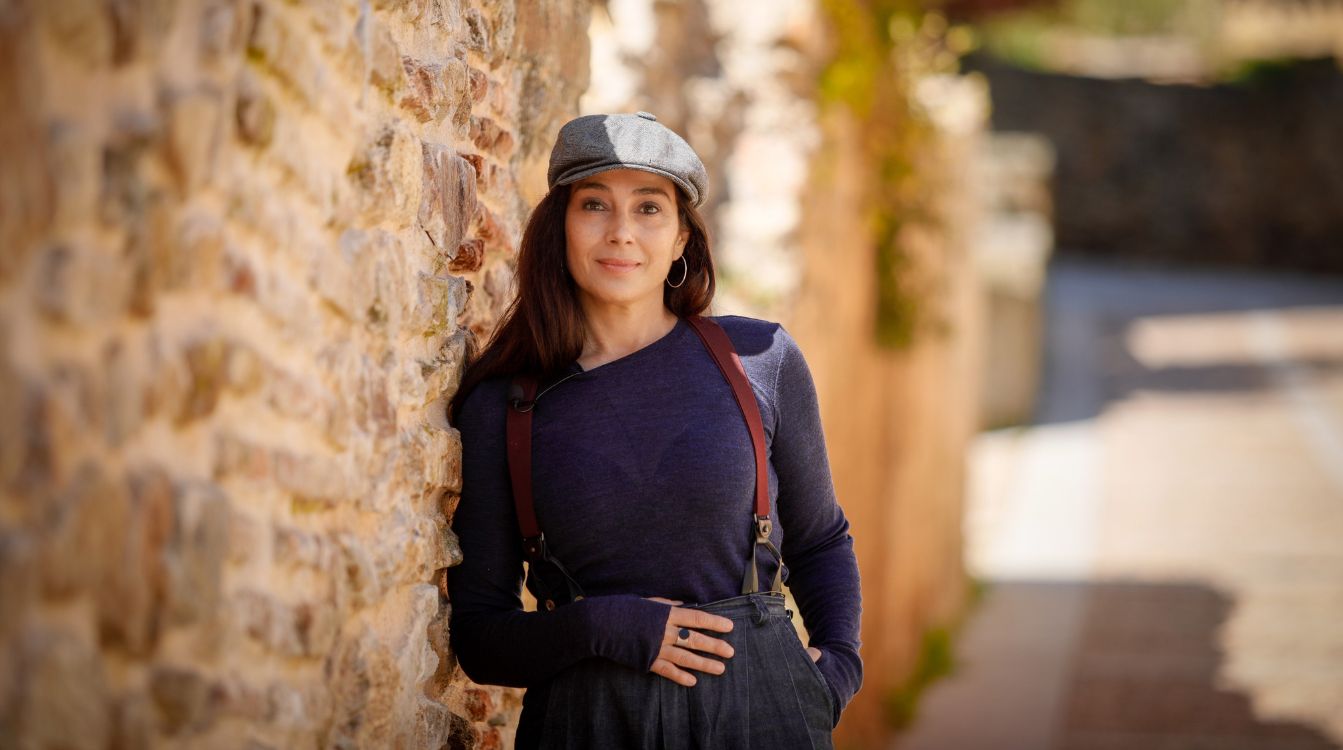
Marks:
<point>683,636</point>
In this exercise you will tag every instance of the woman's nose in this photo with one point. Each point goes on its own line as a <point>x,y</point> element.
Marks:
<point>618,230</point>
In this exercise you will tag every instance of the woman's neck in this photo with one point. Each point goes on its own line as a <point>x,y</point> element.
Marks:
<point>613,332</point>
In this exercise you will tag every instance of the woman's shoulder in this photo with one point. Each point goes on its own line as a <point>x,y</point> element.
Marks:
<point>484,405</point>
<point>765,347</point>
<point>756,337</point>
<point>751,333</point>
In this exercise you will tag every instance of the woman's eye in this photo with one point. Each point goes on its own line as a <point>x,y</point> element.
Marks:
<point>650,208</point>
<point>592,205</point>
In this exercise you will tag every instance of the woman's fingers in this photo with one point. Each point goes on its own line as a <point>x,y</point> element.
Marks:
<point>674,661</point>
<point>697,641</point>
<point>697,618</point>
<point>815,653</point>
<point>666,669</point>
<point>678,657</point>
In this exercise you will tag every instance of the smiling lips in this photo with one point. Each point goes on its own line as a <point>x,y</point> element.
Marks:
<point>618,266</point>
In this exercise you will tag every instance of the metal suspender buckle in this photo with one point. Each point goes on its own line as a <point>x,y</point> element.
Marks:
<point>762,529</point>
<point>534,547</point>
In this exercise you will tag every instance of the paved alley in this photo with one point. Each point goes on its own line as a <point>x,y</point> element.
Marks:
<point>1164,548</point>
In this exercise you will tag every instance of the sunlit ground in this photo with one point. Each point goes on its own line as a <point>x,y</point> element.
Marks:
<point>1164,547</point>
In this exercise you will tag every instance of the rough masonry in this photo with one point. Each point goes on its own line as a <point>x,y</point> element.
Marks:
<point>245,247</point>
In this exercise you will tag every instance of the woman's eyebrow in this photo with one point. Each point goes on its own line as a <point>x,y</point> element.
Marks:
<point>650,190</point>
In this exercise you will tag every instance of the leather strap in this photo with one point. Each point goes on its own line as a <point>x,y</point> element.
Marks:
<point>521,401</point>
<point>725,356</point>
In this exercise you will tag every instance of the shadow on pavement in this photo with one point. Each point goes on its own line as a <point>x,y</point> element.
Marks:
<point>1144,676</point>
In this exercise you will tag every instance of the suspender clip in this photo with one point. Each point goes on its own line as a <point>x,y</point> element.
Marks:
<point>762,528</point>
<point>534,547</point>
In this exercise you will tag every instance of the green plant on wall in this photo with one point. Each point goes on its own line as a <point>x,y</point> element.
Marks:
<point>883,47</point>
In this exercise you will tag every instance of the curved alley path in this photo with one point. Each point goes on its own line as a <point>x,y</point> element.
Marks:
<point>1164,548</point>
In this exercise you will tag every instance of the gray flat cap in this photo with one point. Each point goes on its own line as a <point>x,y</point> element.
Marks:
<point>595,143</point>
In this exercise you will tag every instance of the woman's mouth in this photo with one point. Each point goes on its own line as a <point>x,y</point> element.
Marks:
<point>618,266</point>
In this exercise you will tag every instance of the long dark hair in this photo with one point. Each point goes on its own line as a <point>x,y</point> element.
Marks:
<point>543,328</point>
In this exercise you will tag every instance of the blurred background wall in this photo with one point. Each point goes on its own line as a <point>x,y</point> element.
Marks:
<point>845,203</point>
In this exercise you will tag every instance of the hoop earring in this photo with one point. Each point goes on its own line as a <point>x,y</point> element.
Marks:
<point>684,265</point>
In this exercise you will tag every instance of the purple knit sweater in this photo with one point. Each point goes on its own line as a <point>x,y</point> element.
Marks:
<point>644,478</point>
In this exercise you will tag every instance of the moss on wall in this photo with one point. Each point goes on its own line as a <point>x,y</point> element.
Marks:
<point>882,48</point>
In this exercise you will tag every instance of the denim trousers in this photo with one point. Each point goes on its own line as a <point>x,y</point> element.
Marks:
<point>771,695</point>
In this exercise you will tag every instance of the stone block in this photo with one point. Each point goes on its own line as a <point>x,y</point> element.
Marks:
<point>373,411</point>
<point>140,28</point>
<point>81,29</point>
<point>347,278</point>
<point>238,457</point>
<point>478,702</point>
<point>131,585</point>
<point>316,482</point>
<point>469,257</point>
<point>126,183</point>
<point>192,141</point>
<point>205,360</point>
<point>382,59</point>
<point>133,722</point>
<point>448,200</point>
<point>64,703</point>
<point>450,548</point>
<point>360,581</point>
<point>477,31</point>
<point>267,36</point>
<point>123,396</point>
<point>254,113</point>
<point>349,671</point>
<point>75,159</point>
<point>27,452</point>
<point>480,85</point>
<point>194,560</point>
<point>235,698</point>
<point>499,285</point>
<point>315,625</point>
<point>490,138</point>
<point>83,534</point>
<point>381,177</point>
<point>82,285</point>
<point>182,697</point>
<point>19,582</point>
<point>438,302</point>
<point>457,89</point>
<point>220,30</point>
<point>295,396</point>
<point>148,253</point>
<point>427,93</point>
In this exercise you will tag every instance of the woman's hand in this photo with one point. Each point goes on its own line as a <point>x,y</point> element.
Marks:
<point>815,653</point>
<point>673,656</point>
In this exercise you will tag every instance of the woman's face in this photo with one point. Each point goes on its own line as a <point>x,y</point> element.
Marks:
<point>623,233</point>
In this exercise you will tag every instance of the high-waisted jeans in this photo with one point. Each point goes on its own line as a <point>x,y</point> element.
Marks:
<point>771,695</point>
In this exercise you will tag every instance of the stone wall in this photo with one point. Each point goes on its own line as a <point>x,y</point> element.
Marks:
<point>1247,175</point>
<point>245,244</point>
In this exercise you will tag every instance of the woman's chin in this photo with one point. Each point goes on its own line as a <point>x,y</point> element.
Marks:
<point>621,295</point>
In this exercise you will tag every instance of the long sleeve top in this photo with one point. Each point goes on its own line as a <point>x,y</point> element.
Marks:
<point>643,483</point>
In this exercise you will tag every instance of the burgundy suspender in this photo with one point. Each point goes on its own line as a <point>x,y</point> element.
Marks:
<point>519,434</point>
<point>720,346</point>
<point>521,399</point>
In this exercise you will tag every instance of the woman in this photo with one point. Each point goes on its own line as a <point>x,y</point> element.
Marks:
<point>643,481</point>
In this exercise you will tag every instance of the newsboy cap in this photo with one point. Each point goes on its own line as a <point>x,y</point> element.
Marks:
<point>595,143</point>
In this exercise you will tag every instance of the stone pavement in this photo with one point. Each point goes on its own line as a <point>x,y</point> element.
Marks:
<point>1164,547</point>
